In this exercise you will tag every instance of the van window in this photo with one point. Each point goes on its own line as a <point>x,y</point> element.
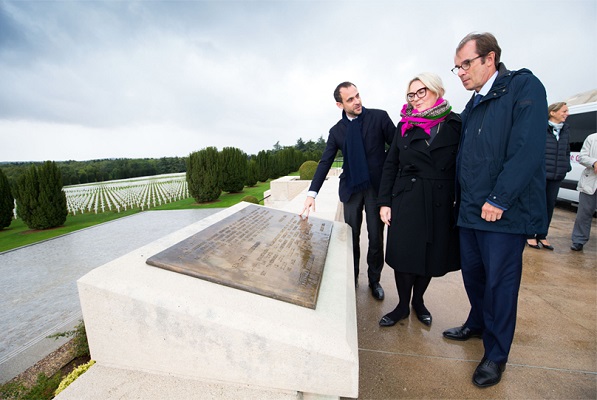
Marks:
<point>581,126</point>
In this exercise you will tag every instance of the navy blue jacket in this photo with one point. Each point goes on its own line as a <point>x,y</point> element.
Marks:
<point>378,130</point>
<point>502,155</point>
<point>557,154</point>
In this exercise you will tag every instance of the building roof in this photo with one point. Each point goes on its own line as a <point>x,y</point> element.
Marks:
<point>583,98</point>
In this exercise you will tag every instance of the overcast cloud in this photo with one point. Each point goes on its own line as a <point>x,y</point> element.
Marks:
<point>109,79</point>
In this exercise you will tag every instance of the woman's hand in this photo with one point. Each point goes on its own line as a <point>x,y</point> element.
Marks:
<point>385,213</point>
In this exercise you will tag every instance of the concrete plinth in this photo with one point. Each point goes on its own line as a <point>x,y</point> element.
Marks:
<point>150,320</point>
<point>286,188</point>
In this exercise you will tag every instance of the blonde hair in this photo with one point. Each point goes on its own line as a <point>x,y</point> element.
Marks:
<point>432,81</point>
<point>555,107</point>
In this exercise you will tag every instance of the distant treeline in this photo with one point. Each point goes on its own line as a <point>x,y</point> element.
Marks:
<point>81,172</point>
<point>77,172</point>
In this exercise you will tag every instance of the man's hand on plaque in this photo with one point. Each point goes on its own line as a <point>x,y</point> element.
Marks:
<point>309,204</point>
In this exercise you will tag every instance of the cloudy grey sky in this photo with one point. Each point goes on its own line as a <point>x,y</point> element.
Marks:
<point>84,80</point>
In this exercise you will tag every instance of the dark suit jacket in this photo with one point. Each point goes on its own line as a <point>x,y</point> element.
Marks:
<point>378,129</point>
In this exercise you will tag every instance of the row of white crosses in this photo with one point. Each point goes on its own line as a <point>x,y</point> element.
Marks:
<point>142,193</point>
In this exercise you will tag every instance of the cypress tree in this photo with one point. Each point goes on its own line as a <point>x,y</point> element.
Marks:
<point>204,175</point>
<point>275,164</point>
<point>41,203</point>
<point>292,160</point>
<point>251,173</point>
<point>6,202</point>
<point>263,166</point>
<point>27,195</point>
<point>51,196</point>
<point>234,169</point>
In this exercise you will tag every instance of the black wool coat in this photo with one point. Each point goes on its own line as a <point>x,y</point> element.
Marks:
<point>418,183</point>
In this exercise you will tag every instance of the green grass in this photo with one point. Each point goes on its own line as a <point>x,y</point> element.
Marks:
<point>43,389</point>
<point>18,234</point>
<point>226,199</point>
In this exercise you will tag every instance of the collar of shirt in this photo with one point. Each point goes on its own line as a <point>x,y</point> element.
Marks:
<point>485,89</point>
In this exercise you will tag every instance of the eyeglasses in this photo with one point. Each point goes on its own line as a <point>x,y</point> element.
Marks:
<point>419,93</point>
<point>466,64</point>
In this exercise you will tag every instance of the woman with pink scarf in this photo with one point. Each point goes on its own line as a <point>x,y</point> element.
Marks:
<point>417,196</point>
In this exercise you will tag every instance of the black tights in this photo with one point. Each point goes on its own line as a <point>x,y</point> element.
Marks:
<point>408,284</point>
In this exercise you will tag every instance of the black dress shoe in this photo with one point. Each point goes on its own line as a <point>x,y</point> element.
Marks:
<point>546,246</point>
<point>576,247</point>
<point>376,290</point>
<point>461,333</point>
<point>425,319</point>
<point>423,313</point>
<point>534,246</point>
<point>488,373</point>
<point>392,318</point>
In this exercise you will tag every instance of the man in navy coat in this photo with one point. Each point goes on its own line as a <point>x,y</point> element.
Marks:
<point>501,179</point>
<point>361,135</point>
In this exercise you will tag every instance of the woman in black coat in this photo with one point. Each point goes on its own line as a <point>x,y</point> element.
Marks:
<point>557,165</point>
<point>416,196</point>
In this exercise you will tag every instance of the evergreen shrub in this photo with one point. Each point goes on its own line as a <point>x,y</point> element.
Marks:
<point>251,173</point>
<point>74,374</point>
<point>41,202</point>
<point>204,177</point>
<point>250,199</point>
<point>234,169</point>
<point>6,201</point>
<point>307,170</point>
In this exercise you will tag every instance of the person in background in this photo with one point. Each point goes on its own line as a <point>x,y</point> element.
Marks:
<point>557,165</point>
<point>587,198</point>
<point>416,196</point>
<point>362,135</point>
<point>500,171</point>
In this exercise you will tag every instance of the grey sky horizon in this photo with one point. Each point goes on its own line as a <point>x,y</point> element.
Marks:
<point>84,80</point>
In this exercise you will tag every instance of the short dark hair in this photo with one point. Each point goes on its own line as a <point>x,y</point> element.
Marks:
<point>485,43</point>
<point>345,85</point>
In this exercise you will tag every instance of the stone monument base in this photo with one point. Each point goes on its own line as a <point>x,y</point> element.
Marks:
<point>160,325</point>
<point>101,382</point>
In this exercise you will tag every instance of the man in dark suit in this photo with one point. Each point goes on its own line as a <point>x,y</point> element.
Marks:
<point>361,135</point>
<point>500,171</point>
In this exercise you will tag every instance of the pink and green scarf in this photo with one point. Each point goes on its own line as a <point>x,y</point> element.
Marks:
<point>425,119</point>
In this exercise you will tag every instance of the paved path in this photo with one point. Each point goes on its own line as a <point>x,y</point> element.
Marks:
<point>38,282</point>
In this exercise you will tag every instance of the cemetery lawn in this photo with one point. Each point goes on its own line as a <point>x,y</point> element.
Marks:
<point>18,234</point>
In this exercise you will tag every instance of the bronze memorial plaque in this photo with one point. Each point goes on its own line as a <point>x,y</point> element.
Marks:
<point>264,251</point>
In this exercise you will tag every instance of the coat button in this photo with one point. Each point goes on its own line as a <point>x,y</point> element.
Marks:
<point>413,180</point>
<point>405,147</point>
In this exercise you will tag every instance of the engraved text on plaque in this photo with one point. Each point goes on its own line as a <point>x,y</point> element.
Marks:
<point>261,250</point>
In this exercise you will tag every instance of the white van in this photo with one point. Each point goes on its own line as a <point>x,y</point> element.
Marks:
<point>582,119</point>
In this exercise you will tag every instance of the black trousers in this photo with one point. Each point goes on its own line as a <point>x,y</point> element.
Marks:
<point>353,216</point>
<point>551,195</point>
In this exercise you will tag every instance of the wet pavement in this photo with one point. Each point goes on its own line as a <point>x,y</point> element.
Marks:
<point>554,353</point>
<point>38,282</point>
